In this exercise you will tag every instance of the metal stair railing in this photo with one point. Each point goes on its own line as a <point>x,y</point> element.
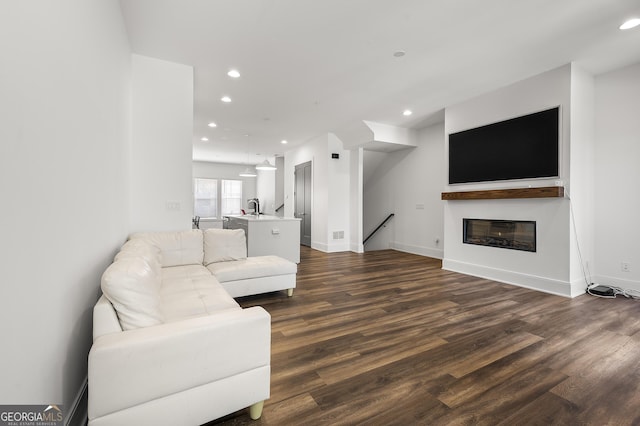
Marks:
<point>379,226</point>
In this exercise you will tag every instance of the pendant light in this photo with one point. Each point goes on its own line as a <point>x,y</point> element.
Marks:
<point>266,165</point>
<point>248,173</point>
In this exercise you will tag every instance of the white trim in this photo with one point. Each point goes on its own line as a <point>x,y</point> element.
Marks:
<point>338,247</point>
<point>546,285</point>
<point>357,247</point>
<point>320,246</point>
<point>422,251</point>
<point>331,248</point>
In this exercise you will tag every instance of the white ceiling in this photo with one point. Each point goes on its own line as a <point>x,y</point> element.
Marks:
<point>309,67</point>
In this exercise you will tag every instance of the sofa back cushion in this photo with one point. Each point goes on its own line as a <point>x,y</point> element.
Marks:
<point>132,286</point>
<point>176,248</point>
<point>140,248</point>
<point>222,245</point>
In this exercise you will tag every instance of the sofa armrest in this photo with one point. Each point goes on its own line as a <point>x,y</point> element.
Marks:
<point>105,319</point>
<point>135,366</point>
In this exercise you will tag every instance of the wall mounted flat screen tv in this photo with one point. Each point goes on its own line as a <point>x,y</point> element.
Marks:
<point>520,148</point>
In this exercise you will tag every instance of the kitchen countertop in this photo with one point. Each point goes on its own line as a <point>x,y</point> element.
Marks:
<point>263,218</point>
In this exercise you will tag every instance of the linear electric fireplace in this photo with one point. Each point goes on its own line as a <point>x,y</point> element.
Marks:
<point>507,234</point>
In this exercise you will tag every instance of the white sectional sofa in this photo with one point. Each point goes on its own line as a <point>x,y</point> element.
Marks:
<point>170,344</point>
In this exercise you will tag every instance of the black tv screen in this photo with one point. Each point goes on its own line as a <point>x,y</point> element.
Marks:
<point>520,148</point>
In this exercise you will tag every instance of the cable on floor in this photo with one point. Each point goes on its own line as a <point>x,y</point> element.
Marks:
<point>610,292</point>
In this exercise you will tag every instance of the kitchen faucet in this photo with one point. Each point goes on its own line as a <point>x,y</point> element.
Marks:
<point>256,205</point>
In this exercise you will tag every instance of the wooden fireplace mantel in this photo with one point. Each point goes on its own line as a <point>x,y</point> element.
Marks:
<point>497,194</point>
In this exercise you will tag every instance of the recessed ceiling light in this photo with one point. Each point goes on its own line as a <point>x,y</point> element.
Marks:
<point>631,23</point>
<point>407,112</point>
<point>283,142</point>
<point>204,139</point>
<point>233,73</point>
<point>399,53</point>
<point>212,124</point>
<point>225,99</point>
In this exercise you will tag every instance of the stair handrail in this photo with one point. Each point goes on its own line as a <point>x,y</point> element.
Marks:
<point>379,226</point>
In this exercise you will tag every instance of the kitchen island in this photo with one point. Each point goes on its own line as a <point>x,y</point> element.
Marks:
<point>268,235</point>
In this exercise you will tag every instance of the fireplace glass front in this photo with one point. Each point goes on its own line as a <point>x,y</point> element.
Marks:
<point>507,234</point>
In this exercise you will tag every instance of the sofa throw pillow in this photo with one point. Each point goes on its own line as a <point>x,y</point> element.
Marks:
<point>132,286</point>
<point>222,245</point>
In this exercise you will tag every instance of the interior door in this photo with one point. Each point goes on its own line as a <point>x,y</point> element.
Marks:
<point>302,201</point>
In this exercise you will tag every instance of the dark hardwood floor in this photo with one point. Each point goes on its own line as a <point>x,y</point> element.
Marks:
<point>389,338</point>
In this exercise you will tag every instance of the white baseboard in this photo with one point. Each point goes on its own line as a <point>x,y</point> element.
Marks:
<point>319,246</point>
<point>78,415</point>
<point>578,287</point>
<point>331,248</point>
<point>338,247</point>
<point>422,251</point>
<point>357,248</point>
<point>546,285</point>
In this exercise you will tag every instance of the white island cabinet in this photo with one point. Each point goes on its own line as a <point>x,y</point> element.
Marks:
<point>268,235</point>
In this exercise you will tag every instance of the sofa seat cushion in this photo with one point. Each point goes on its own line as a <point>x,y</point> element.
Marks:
<point>185,297</point>
<point>252,267</point>
<point>190,271</point>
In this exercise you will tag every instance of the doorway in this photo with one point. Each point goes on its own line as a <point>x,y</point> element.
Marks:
<point>302,201</point>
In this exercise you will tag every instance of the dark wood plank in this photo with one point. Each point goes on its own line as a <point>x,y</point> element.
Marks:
<point>390,338</point>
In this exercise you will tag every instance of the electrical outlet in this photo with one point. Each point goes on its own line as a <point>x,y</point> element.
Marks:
<point>625,267</point>
<point>173,206</point>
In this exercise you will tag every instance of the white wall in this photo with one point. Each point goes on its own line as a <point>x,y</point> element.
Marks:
<point>279,185</point>
<point>356,196</point>
<point>64,103</point>
<point>338,215</point>
<point>378,197</point>
<point>330,202</point>
<point>421,230</point>
<point>582,172</point>
<point>266,191</point>
<point>407,183</point>
<point>548,269</point>
<point>617,198</point>
<point>161,150</point>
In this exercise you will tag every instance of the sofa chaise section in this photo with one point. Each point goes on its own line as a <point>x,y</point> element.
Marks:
<point>255,275</point>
